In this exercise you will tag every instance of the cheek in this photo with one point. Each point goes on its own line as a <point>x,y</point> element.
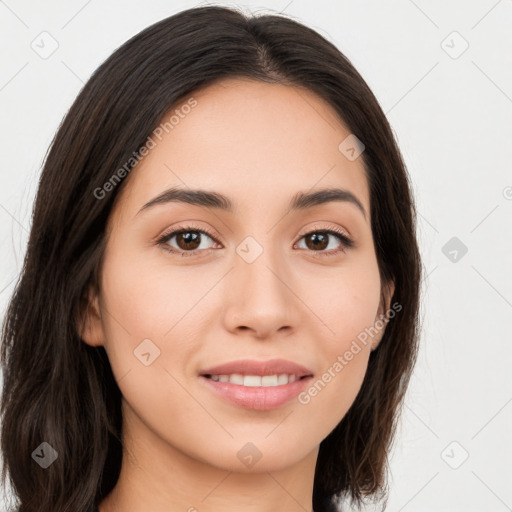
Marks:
<point>349,309</point>
<point>147,298</point>
<point>149,341</point>
<point>348,305</point>
<point>345,356</point>
<point>145,317</point>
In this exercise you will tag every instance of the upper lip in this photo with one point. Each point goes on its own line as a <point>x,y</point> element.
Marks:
<point>254,367</point>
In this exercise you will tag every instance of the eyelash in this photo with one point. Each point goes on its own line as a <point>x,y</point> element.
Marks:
<point>346,243</point>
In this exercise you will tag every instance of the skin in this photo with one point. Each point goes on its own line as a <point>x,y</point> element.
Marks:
<point>259,144</point>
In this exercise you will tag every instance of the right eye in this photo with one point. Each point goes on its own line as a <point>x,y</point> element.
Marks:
<point>189,240</point>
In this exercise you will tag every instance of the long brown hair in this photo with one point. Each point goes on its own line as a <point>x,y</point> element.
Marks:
<point>61,391</point>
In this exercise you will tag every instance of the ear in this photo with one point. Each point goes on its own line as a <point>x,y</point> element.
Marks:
<point>388,289</point>
<point>90,327</point>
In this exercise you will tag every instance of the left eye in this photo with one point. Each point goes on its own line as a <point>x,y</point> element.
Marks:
<point>318,241</point>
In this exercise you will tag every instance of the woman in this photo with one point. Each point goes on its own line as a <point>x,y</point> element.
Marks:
<point>218,307</point>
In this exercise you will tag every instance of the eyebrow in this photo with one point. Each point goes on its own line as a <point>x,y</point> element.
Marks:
<point>216,200</point>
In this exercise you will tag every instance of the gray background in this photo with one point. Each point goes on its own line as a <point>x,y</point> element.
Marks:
<point>450,107</point>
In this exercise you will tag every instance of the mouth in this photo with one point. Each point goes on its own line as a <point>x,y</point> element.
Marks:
<point>259,385</point>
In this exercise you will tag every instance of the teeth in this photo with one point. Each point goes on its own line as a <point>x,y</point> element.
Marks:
<point>255,380</point>
<point>269,380</point>
<point>236,378</point>
<point>282,379</point>
<point>252,380</point>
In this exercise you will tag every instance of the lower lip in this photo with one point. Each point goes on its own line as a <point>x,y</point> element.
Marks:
<point>263,398</point>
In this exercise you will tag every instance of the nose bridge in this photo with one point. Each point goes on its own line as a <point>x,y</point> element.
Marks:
<point>261,269</point>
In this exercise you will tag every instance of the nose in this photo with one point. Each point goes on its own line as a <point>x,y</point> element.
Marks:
<point>260,298</point>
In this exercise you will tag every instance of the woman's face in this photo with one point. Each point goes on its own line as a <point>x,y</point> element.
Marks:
<point>263,282</point>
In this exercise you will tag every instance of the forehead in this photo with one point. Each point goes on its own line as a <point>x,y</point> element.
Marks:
<point>255,142</point>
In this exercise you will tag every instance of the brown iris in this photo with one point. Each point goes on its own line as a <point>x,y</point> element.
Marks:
<point>319,240</point>
<point>188,240</point>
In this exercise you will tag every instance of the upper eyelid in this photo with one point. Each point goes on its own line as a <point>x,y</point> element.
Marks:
<point>317,227</point>
<point>185,228</point>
